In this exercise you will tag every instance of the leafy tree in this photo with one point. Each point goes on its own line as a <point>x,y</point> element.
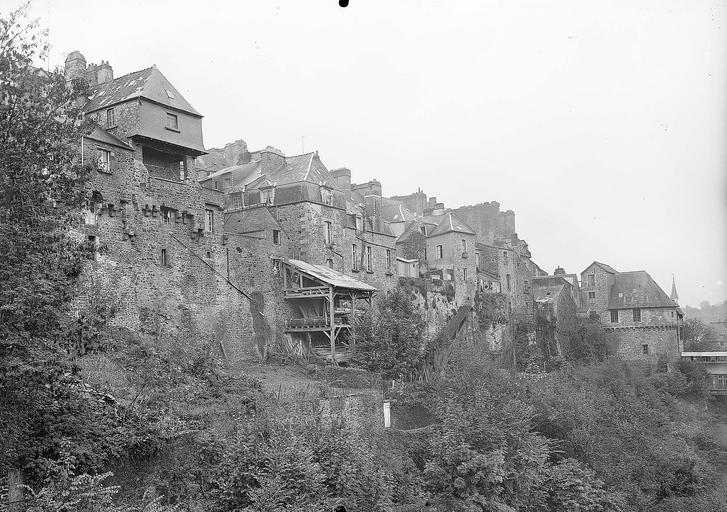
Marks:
<point>698,334</point>
<point>42,400</point>
<point>414,246</point>
<point>586,341</point>
<point>390,340</point>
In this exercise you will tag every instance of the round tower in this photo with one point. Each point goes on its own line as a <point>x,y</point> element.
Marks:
<point>75,66</point>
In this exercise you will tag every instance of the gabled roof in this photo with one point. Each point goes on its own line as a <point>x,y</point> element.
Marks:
<point>414,227</point>
<point>250,221</point>
<point>147,83</point>
<point>637,290</point>
<point>450,223</point>
<point>298,168</point>
<point>547,288</point>
<point>605,267</point>
<point>101,135</point>
<point>394,211</point>
<point>330,276</point>
<point>241,171</point>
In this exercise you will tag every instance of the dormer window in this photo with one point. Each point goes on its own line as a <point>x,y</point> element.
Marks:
<point>172,122</point>
<point>267,195</point>
<point>326,195</point>
<point>110,118</point>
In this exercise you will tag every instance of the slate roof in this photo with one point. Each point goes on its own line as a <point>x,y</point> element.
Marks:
<point>240,172</point>
<point>330,276</point>
<point>547,288</point>
<point>450,223</point>
<point>101,135</point>
<point>413,227</point>
<point>605,267</point>
<point>298,168</point>
<point>249,221</point>
<point>637,290</point>
<point>147,83</point>
<point>394,211</point>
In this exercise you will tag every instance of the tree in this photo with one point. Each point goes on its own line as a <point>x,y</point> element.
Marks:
<point>697,334</point>
<point>391,340</point>
<point>43,402</point>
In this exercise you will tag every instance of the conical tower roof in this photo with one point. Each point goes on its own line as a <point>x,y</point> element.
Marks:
<point>674,295</point>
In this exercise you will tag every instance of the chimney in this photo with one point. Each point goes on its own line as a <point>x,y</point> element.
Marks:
<point>343,180</point>
<point>560,271</point>
<point>104,72</point>
<point>91,74</point>
<point>271,159</point>
<point>75,66</point>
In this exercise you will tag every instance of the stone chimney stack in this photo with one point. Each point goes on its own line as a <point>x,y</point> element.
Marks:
<point>104,72</point>
<point>75,66</point>
<point>343,180</point>
<point>560,271</point>
<point>271,159</point>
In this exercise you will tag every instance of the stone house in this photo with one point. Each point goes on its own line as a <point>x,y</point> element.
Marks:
<point>555,309</point>
<point>162,260</point>
<point>636,312</point>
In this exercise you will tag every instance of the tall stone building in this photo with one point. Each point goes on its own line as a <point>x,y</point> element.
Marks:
<point>163,259</point>
<point>637,314</point>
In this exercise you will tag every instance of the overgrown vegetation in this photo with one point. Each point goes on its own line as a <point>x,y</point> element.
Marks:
<point>390,340</point>
<point>79,399</point>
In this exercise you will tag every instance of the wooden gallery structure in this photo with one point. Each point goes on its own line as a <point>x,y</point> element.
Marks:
<point>325,304</point>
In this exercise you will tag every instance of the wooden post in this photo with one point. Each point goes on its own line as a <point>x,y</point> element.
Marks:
<point>332,312</point>
<point>353,322</point>
<point>16,497</point>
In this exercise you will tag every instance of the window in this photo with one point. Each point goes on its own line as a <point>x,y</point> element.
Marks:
<point>172,122</point>
<point>329,262</point>
<point>637,315</point>
<point>672,314</point>
<point>167,215</point>
<point>359,223</point>
<point>464,245</point>
<point>103,160</point>
<point>354,257</point>
<point>592,280</point>
<point>591,297</point>
<point>423,230</point>
<point>526,287</point>
<point>507,278</point>
<point>425,253</point>
<point>504,258</point>
<point>209,220</point>
<point>110,118</point>
<point>237,200</point>
<point>719,381</point>
<point>388,260</point>
<point>267,195</point>
<point>614,316</point>
<point>477,259</point>
<point>226,183</point>
<point>439,252</point>
<point>327,233</point>
<point>164,258</point>
<point>645,349</point>
<point>217,185</point>
<point>464,274</point>
<point>276,236</point>
<point>369,262</point>
<point>326,195</point>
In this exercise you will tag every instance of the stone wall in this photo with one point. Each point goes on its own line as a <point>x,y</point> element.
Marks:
<point>662,341</point>
<point>164,275</point>
<point>602,288</point>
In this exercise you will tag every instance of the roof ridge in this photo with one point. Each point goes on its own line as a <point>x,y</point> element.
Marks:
<point>122,76</point>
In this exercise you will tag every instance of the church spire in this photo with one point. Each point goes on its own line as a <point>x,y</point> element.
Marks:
<point>674,295</point>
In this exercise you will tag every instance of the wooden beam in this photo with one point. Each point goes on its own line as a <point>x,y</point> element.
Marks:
<point>333,327</point>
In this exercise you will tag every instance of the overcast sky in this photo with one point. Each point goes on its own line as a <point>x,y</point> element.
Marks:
<point>602,124</point>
